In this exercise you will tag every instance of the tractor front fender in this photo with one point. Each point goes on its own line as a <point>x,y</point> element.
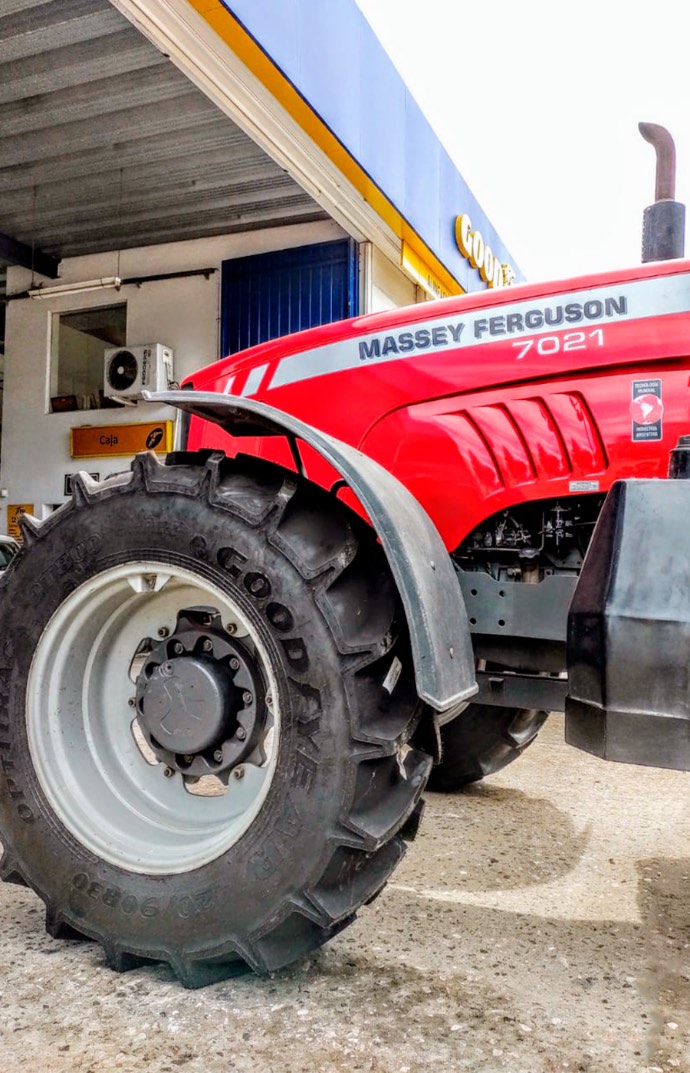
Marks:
<point>420,565</point>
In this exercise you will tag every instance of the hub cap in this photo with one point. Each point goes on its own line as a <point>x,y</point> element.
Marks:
<point>201,698</point>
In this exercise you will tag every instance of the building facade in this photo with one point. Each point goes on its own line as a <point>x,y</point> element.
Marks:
<point>191,177</point>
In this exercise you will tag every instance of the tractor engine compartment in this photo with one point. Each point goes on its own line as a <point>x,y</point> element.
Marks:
<point>531,541</point>
<point>518,572</point>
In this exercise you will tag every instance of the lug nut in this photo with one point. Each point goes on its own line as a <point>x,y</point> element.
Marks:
<point>178,649</point>
<point>131,702</point>
<point>230,627</point>
<point>234,664</point>
<point>188,758</point>
<point>241,733</point>
<point>239,772</point>
<point>218,756</point>
<point>168,772</point>
<point>163,631</point>
<point>167,669</point>
<point>207,645</point>
<point>247,697</point>
<point>269,700</point>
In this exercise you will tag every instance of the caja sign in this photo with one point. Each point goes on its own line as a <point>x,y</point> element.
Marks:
<point>121,440</point>
<point>480,255</point>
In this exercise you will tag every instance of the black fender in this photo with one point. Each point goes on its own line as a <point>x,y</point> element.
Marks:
<point>421,566</point>
<point>629,630</point>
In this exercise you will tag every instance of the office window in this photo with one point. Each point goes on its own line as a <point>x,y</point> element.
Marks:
<point>78,342</point>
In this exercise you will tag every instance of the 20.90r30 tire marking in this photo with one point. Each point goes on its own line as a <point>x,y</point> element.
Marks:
<point>237,585</point>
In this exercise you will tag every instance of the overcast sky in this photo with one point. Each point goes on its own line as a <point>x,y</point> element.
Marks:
<point>538,104</point>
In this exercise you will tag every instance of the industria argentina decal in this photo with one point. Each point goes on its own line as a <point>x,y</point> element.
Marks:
<point>646,410</point>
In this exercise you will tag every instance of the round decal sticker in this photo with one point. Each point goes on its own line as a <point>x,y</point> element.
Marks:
<point>156,435</point>
<point>646,409</point>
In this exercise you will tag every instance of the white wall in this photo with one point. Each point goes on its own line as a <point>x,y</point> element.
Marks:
<point>182,313</point>
<point>391,288</point>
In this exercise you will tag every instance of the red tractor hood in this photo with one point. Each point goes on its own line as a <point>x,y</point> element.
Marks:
<point>345,377</point>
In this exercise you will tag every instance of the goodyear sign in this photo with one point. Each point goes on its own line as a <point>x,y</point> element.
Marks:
<point>113,441</point>
<point>472,246</point>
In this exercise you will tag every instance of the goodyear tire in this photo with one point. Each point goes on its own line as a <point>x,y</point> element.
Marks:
<point>481,741</point>
<point>200,762</point>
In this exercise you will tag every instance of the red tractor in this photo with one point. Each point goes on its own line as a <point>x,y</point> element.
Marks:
<point>225,679</point>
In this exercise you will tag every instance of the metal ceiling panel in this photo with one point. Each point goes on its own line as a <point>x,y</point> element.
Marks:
<point>77,65</point>
<point>104,144</point>
<point>51,26</point>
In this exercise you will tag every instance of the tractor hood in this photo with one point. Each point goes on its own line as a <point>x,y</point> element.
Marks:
<point>386,361</point>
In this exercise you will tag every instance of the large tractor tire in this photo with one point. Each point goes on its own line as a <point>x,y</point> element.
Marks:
<point>206,695</point>
<point>481,741</point>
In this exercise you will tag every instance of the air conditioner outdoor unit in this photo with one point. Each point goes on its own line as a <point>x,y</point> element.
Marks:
<point>130,370</point>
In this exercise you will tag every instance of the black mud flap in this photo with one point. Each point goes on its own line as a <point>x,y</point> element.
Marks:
<point>629,630</point>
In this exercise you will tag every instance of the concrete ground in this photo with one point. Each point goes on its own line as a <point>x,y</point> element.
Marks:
<point>540,923</point>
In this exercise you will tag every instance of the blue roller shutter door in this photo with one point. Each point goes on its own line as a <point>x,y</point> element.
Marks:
<point>273,294</point>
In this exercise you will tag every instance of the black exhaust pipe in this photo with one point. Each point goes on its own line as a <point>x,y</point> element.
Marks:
<point>663,223</point>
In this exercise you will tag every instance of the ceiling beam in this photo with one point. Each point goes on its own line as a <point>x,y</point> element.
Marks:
<point>18,253</point>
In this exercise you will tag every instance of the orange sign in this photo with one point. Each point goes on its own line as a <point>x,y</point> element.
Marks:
<point>111,441</point>
<point>14,513</point>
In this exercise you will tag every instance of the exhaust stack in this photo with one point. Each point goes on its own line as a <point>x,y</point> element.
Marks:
<point>663,223</point>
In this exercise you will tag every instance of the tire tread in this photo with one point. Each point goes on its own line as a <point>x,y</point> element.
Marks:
<point>343,564</point>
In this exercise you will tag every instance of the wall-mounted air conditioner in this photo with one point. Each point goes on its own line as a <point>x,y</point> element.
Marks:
<point>130,370</point>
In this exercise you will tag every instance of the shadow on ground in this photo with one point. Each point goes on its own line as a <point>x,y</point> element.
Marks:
<point>496,838</point>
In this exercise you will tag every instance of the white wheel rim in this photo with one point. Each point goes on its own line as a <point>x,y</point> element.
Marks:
<point>95,776</point>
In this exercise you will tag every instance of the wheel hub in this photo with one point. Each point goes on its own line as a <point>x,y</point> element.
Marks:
<point>201,701</point>
<point>188,704</point>
<point>140,806</point>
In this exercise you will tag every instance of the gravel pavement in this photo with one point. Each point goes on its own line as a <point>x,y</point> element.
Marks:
<point>540,923</point>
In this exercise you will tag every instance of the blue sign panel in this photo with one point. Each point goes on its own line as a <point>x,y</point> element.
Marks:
<point>331,56</point>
